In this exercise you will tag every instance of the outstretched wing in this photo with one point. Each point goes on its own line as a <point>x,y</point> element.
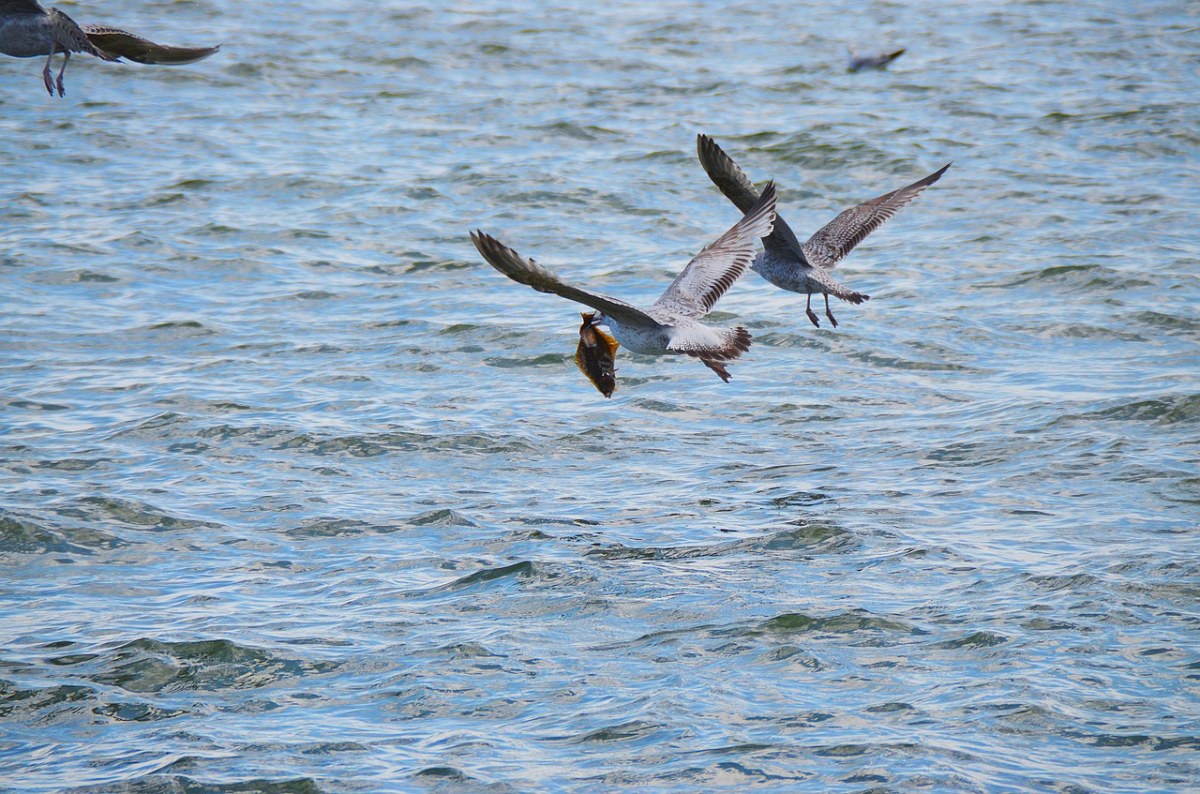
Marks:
<point>524,270</point>
<point>722,262</point>
<point>733,182</point>
<point>874,60</point>
<point>123,44</point>
<point>838,237</point>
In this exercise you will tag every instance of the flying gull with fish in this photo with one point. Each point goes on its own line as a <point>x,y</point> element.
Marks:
<point>672,324</point>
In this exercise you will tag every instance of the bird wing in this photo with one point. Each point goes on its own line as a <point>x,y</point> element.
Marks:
<point>20,7</point>
<point>524,270</point>
<point>838,237</point>
<point>874,61</point>
<point>732,181</point>
<point>123,44</point>
<point>722,262</point>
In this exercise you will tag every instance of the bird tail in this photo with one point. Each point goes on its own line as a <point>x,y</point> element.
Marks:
<point>735,341</point>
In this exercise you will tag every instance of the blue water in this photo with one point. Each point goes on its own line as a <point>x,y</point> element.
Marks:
<point>298,494</point>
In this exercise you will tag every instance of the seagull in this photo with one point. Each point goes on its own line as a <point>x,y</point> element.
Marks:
<point>877,61</point>
<point>806,268</point>
<point>28,30</point>
<point>672,325</point>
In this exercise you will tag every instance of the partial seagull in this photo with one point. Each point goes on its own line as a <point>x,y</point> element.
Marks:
<point>672,324</point>
<point>873,61</point>
<point>28,30</point>
<point>806,268</point>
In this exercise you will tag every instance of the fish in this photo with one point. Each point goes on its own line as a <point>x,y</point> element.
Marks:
<point>596,355</point>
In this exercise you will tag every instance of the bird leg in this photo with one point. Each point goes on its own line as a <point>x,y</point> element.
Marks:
<point>66,57</point>
<point>828,313</point>
<point>46,72</point>
<point>808,310</point>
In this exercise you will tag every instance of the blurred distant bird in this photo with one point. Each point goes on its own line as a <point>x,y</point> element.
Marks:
<point>28,30</point>
<point>877,61</point>
<point>672,324</point>
<point>806,268</point>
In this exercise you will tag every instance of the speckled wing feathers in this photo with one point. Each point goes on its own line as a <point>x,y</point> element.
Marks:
<point>732,181</point>
<point>69,36</point>
<point>524,270</point>
<point>838,237</point>
<point>123,44</point>
<point>714,270</point>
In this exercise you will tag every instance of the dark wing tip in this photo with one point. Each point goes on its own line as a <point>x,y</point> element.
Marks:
<point>163,55</point>
<point>485,243</point>
<point>768,193</point>
<point>489,246</point>
<point>936,175</point>
<point>712,156</point>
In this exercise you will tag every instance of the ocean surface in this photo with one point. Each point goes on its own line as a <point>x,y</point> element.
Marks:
<point>298,494</point>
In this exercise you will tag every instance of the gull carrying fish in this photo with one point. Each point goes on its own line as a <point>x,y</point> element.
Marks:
<point>672,324</point>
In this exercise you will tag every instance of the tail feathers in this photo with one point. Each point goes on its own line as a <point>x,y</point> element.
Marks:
<point>719,368</point>
<point>819,280</point>
<point>739,342</point>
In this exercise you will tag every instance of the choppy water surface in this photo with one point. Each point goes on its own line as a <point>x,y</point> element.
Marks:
<point>298,494</point>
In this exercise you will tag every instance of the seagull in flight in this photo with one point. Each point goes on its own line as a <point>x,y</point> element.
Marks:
<point>873,61</point>
<point>807,268</point>
<point>672,324</point>
<point>28,30</point>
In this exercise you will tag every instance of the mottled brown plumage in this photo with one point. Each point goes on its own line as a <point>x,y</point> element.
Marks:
<point>796,267</point>
<point>123,44</point>
<point>28,30</point>
<point>672,324</point>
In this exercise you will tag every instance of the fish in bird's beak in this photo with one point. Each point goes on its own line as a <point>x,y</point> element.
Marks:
<point>596,355</point>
